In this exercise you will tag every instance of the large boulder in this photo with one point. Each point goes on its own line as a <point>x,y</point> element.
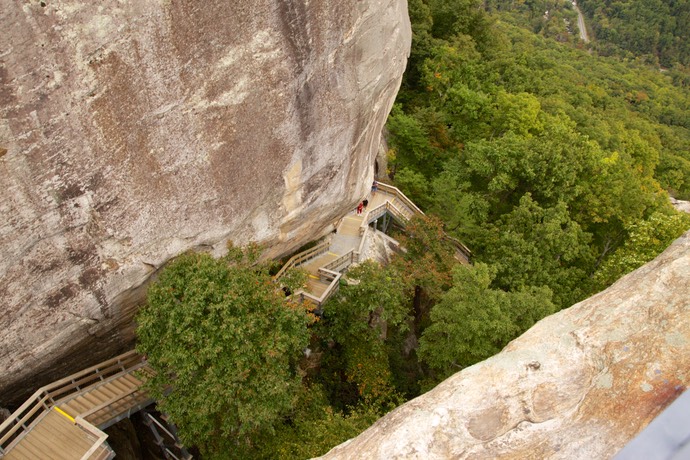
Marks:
<point>131,131</point>
<point>578,385</point>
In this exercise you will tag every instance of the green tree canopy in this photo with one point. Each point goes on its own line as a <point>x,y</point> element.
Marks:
<point>647,239</point>
<point>540,246</point>
<point>356,320</point>
<point>224,344</point>
<point>473,321</point>
<point>426,263</point>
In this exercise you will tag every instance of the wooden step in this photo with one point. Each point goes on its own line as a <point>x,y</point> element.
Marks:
<point>132,380</point>
<point>104,392</point>
<point>93,398</point>
<point>101,417</point>
<point>55,436</point>
<point>112,391</point>
<point>121,385</point>
<point>313,266</point>
<point>75,406</point>
<point>117,390</point>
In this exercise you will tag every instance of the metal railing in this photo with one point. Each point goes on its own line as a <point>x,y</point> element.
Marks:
<point>459,246</point>
<point>381,210</point>
<point>373,214</point>
<point>364,235</point>
<point>45,397</point>
<point>353,256</point>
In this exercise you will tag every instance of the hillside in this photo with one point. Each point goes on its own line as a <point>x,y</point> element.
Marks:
<point>656,31</point>
<point>541,157</point>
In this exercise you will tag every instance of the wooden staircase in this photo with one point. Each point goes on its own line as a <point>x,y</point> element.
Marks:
<point>385,204</point>
<point>64,420</point>
<point>56,437</point>
<point>108,402</point>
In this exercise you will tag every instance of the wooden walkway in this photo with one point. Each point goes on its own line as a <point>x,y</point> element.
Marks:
<point>64,420</point>
<point>326,262</point>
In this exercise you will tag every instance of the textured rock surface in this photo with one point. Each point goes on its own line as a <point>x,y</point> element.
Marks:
<point>681,205</point>
<point>578,385</point>
<point>131,131</point>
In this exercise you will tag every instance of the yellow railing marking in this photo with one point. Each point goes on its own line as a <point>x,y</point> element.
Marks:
<point>71,419</point>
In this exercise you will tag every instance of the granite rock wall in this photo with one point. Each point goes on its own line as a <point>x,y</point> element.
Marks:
<point>134,130</point>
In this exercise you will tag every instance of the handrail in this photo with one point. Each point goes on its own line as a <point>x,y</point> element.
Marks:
<point>362,240</point>
<point>139,365</point>
<point>332,265</point>
<point>458,244</point>
<point>330,290</point>
<point>105,370</point>
<point>377,212</point>
<point>37,408</point>
<point>303,256</point>
<point>373,214</point>
<point>329,274</point>
<point>44,397</point>
<point>396,191</point>
<point>396,211</point>
<point>389,189</point>
<point>107,403</point>
<point>332,287</point>
<point>100,436</point>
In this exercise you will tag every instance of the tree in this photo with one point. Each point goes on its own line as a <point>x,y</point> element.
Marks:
<point>518,113</point>
<point>540,246</point>
<point>646,240</point>
<point>412,142</point>
<point>355,324</point>
<point>414,185</point>
<point>311,429</point>
<point>473,322</point>
<point>428,259</point>
<point>224,344</point>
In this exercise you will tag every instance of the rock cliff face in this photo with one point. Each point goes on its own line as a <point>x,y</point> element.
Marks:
<point>578,385</point>
<point>131,131</point>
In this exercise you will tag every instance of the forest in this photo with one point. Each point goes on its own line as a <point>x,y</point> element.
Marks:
<point>656,31</point>
<point>553,163</point>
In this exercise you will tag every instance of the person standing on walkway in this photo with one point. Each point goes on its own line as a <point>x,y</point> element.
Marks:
<point>374,188</point>
<point>365,203</point>
<point>360,206</point>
